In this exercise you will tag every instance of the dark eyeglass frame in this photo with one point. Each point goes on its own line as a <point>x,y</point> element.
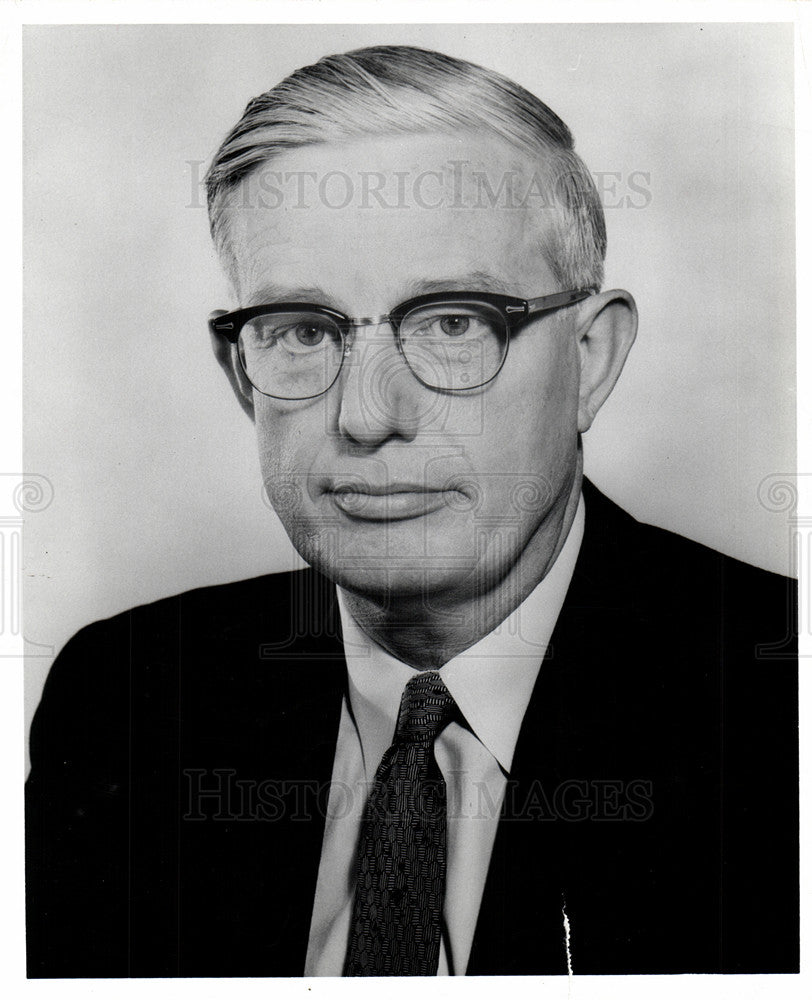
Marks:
<point>515,313</point>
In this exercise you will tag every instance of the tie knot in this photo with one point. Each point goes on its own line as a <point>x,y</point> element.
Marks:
<point>425,708</point>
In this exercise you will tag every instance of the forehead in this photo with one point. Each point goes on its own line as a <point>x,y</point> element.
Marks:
<point>372,221</point>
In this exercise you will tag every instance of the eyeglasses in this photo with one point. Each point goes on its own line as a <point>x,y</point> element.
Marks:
<point>451,341</point>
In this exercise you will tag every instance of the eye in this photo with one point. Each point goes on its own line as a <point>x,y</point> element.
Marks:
<point>455,326</point>
<point>445,324</point>
<point>308,334</point>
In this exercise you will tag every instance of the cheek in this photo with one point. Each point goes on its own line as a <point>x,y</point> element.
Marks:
<point>286,460</point>
<point>288,438</point>
<point>537,411</point>
<point>530,445</point>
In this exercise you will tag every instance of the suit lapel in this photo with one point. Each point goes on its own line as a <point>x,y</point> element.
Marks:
<point>268,723</point>
<point>312,682</point>
<point>536,853</point>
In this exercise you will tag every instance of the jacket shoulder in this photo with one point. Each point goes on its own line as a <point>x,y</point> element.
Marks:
<point>684,577</point>
<point>148,645</point>
<point>208,605</point>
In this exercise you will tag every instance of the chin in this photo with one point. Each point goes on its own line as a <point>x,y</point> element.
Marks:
<point>382,575</point>
<point>423,558</point>
<point>412,586</point>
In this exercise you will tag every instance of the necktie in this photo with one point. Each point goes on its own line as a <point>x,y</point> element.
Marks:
<point>400,886</point>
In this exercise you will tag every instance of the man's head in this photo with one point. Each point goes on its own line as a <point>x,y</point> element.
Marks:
<point>399,91</point>
<point>370,179</point>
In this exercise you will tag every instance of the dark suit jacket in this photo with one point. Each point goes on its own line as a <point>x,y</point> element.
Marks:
<point>653,793</point>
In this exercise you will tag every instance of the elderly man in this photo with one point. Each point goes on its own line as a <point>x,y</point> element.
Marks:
<point>498,726</point>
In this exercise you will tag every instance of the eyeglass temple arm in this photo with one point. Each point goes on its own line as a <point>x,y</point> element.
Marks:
<point>223,329</point>
<point>555,301</point>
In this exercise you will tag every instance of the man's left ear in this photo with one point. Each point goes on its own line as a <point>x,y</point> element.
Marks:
<point>606,326</point>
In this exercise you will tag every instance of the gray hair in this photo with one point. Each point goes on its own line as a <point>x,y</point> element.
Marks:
<point>397,89</point>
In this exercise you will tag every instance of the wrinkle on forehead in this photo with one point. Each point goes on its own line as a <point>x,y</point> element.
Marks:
<point>363,255</point>
<point>271,292</point>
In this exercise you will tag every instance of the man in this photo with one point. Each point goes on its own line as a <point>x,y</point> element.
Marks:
<point>498,727</point>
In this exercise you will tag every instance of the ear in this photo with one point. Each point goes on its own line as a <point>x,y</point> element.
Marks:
<point>606,327</point>
<point>228,359</point>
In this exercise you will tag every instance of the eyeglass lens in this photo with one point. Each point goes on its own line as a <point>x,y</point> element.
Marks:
<point>447,345</point>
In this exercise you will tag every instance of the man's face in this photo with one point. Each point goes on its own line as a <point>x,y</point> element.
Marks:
<point>386,485</point>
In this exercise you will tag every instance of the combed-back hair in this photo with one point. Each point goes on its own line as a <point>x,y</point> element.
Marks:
<point>397,89</point>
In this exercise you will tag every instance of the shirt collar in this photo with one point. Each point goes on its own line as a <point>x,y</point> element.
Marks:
<point>491,681</point>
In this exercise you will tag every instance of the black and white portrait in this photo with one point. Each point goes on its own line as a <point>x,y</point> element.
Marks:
<point>409,574</point>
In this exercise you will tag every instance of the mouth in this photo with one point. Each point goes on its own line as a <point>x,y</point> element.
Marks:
<point>392,502</point>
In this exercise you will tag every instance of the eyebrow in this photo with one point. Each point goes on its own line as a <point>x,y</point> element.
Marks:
<point>472,281</point>
<point>270,294</point>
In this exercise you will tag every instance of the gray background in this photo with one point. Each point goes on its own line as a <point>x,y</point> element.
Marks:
<point>156,484</point>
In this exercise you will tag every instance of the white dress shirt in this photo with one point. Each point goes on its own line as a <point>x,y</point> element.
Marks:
<point>491,682</point>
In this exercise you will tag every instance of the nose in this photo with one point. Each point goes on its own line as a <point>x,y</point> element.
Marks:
<point>379,396</point>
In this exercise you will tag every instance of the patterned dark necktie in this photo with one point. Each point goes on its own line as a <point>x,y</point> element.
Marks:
<point>400,886</point>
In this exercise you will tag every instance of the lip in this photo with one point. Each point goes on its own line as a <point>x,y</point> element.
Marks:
<point>393,502</point>
<point>361,486</point>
